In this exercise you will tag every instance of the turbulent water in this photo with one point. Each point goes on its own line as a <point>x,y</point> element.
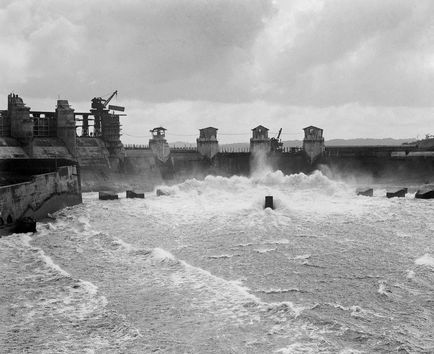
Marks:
<point>206,269</point>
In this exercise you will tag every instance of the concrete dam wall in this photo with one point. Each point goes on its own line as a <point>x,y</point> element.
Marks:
<point>40,194</point>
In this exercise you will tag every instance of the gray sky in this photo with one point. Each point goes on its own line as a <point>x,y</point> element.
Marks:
<point>357,68</point>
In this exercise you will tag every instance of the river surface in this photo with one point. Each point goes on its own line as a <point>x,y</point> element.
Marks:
<point>206,269</point>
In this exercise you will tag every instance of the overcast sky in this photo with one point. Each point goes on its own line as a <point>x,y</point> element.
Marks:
<point>357,68</point>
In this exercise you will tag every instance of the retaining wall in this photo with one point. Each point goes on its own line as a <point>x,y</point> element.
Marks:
<point>43,194</point>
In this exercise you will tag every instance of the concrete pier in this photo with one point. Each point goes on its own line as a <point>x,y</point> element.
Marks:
<point>269,202</point>
<point>396,193</point>
<point>425,192</point>
<point>132,194</point>
<point>107,195</point>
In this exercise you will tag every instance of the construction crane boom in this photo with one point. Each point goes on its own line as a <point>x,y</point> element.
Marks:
<point>101,103</point>
<point>278,135</point>
<point>110,98</point>
<point>276,144</point>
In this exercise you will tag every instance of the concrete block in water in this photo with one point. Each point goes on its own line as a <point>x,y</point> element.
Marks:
<point>160,193</point>
<point>397,192</point>
<point>132,194</point>
<point>107,196</point>
<point>25,224</point>
<point>269,202</point>
<point>367,192</point>
<point>425,192</point>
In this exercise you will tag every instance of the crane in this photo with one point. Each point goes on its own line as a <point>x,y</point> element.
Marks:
<point>276,144</point>
<point>278,135</point>
<point>101,103</point>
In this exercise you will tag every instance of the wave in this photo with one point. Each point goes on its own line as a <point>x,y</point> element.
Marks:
<point>283,307</point>
<point>223,256</point>
<point>282,241</point>
<point>280,291</point>
<point>219,292</point>
<point>264,250</point>
<point>354,310</point>
<point>302,256</point>
<point>162,255</point>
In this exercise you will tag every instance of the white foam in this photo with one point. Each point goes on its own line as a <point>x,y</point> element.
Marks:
<point>223,256</point>
<point>382,289</point>
<point>25,239</point>
<point>410,274</point>
<point>279,290</point>
<point>282,241</point>
<point>49,262</point>
<point>45,258</point>
<point>355,310</point>
<point>425,260</point>
<point>215,194</point>
<point>303,256</point>
<point>129,247</point>
<point>264,250</point>
<point>283,306</point>
<point>162,255</point>
<point>234,286</point>
<point>244,245</point>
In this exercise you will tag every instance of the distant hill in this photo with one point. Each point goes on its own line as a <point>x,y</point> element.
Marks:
<point>332,142</point>
<point>368,141</point>
<point>294,143</point>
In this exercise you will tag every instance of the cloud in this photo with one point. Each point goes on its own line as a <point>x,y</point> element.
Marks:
<point>355,68</point>
<point>299,52</point>
<point>366,51</point>
<point>153,50</point>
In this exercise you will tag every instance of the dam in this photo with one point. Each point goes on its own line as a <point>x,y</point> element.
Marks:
<point>85,152</point>
<point>204,268</point>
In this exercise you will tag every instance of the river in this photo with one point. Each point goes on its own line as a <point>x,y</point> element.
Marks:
<point>205,269</point>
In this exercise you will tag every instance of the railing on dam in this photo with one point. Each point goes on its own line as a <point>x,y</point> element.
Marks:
<point>223,149</point>
<point>226,150</point>
<point>135,147</point>
<point>183,149</point>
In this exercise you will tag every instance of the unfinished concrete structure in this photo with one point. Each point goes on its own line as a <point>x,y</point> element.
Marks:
<point>37,134</point>
<point>207,143</point>
<point>260,142</point>
<point>66,130</point>
<point>25,133</point>
<point>90,138</point>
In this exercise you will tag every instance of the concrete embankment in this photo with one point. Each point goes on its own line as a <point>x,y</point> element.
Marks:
<point>40,195</point>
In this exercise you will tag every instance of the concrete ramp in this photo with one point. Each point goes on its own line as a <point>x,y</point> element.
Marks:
<point>44,148</point>
<point>92,152</point>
